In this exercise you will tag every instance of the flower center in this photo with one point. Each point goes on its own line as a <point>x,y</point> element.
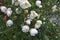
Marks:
<point>26,4</point>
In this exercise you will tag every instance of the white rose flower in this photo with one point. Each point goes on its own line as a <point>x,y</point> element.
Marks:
<point>33,32</point>
<point>38,24</point>
<point>9,23</point>
<point>25,4</point>
<point>38,4</point>
<point>9,12</point>
<point>3,9</point>
<point>25,28</point>
<point>33,15</point>
<point>28,21</point>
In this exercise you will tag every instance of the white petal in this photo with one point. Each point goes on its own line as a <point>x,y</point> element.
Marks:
<point>33,14</point>
<point>28,21</point>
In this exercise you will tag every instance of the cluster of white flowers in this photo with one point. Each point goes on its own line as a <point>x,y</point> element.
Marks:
<point>24,4</point>
<point>33,31</point>
<point>7,11</point>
